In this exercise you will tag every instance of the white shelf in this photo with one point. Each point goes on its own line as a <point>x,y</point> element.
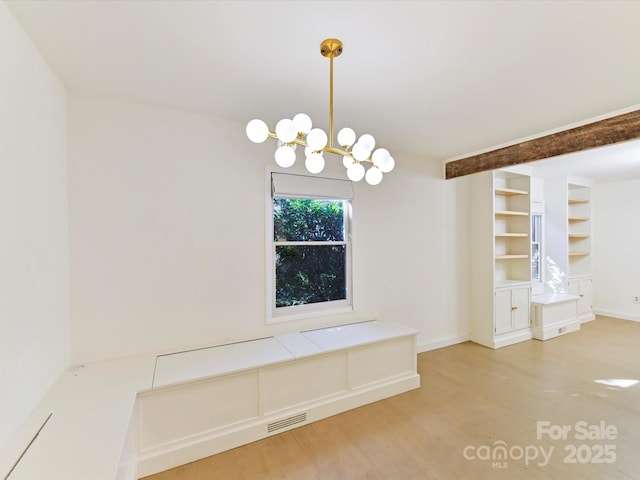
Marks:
<point>578,219</point>
<point>511,256</point>
<point>508,192</point>
<point>508,283</point>
<point>511,213</point>
<point>579,235</point>
<point>578,254</point>
<point>512,235</point>
<point>573,201</point>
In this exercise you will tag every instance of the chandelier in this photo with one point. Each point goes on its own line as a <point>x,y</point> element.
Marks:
<point>298,131</point>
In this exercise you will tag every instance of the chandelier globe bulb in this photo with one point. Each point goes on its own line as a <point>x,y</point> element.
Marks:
<point>302,122</point>
<point>355,172</point>
<point>346,137</point>
<point>368,141</point>
<point>314,163</point>
<point>373,176</point>
<point>285,156</point>
<point>387,165</point>
<point>360,152</point>
<point>379,156</point>
<point>317,139</point>
<point>257,131</point>
<point>286,130</point>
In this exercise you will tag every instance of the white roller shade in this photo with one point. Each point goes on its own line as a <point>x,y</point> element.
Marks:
<point>302,186</point>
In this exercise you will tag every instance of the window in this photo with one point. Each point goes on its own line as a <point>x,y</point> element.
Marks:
<point>536,273</point>
<point>536,252</point>
<point>310,245</point>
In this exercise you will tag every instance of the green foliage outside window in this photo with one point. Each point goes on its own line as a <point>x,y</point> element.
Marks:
<point>308,272</point>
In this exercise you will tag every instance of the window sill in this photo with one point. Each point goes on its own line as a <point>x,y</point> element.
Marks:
<point>346,310</point>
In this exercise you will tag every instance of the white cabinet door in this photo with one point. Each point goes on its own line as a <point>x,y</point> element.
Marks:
<point>512,307</point>
<point>584,289</point>
<point>502,312</point>
<point>585,304</point>
<point>520,307</point>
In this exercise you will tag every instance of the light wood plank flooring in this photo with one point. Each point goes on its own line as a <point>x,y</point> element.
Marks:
<point>471,397</point>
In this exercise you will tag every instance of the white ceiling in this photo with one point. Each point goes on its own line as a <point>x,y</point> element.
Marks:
<point>613,163</point>
<point>440,79</point>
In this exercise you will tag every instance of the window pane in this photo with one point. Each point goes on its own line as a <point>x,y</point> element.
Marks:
<point>535,262</point>
<point>536,221</point>
<point>310,274</point>
<point>301,219</point>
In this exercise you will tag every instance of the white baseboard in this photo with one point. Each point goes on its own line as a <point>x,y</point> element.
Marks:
<point>504,339</point>
<point>620,315</point>
<point>513,337</point>
<point>444,342</point>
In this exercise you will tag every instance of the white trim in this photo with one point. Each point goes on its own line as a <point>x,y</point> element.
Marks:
<point>341,308</point>
<point>579,181</point>
<point>304,186</point>
<point>443,342</point>
<point>622,316</point>
<point>519,169</point>
<point>504,339</point>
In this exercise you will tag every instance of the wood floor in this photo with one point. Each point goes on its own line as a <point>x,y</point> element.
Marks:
<point>472,400</point>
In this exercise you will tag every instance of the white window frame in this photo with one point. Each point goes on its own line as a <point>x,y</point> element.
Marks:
<point>537,286</point>
<point>302,186</point>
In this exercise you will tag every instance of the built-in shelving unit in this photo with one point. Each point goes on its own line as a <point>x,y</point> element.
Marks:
<point>568,239</point>
<point>579,229</point>
<point>501,257</point>
<point>512,248</point>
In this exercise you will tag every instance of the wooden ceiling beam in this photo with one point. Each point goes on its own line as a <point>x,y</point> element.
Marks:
<point>620,128</point>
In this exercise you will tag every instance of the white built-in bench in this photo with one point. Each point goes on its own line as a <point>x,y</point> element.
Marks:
<point>554,314</point>
<point>133,417</point>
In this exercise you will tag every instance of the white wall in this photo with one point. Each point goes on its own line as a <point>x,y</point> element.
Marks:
<point>34,316</point>
<point>616,248</point>
<point>168,235</point>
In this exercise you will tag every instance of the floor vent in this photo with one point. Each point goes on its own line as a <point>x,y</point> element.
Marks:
<point>286,422</point>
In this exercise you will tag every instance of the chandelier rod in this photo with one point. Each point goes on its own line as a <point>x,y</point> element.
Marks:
<point>331,101</point>
<point>331,47</point>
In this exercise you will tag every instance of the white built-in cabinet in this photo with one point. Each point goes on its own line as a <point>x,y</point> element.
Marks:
<point>501,257</point>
